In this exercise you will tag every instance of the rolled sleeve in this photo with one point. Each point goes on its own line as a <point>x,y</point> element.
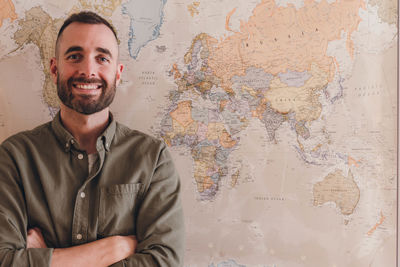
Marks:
<point>13,220</point>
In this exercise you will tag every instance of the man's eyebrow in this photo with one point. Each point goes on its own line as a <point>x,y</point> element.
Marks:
<point>73,49</point>
<point>104,51</point>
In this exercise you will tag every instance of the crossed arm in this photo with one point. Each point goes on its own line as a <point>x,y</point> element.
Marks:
<point>159,226</point>
<point>103,252</point>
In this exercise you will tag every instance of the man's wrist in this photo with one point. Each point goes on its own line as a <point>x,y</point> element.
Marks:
<point>123,246</point>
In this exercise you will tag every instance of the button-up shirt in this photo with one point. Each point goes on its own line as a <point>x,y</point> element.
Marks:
<point>132,189</point>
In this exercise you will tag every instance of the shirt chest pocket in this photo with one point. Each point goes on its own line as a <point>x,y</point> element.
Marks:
<point>117,209</point>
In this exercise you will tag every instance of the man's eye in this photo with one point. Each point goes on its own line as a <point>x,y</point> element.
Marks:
<point>73,57</point>
<point>103,59</point>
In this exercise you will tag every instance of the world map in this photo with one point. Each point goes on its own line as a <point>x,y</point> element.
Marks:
<point>281,116</point>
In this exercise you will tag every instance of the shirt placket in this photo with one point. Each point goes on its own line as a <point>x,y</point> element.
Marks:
<point>81,218</point>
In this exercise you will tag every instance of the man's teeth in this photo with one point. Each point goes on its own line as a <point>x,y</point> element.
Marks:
<point>87,86</point>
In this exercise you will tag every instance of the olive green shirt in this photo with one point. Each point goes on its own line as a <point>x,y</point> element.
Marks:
<point>133,189</point>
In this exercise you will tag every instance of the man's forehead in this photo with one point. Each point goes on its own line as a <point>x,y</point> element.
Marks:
<point>87,36</point>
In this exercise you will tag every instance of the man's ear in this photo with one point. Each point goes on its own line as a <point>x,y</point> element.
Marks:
<point>120,68</point>
<point>53,69</point>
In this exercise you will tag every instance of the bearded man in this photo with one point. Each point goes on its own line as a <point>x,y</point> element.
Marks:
<point>84,190</point>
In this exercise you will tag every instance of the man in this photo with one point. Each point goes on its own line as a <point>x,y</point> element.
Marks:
<point>84,190</point>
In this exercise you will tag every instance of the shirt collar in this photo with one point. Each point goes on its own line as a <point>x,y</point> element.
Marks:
<point>66,139</point>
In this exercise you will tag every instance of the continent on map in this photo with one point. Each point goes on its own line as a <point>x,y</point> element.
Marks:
<point>146,18</point>
<point>387,10</point>
<point>289,39</point>
<point>7,11</point>
<point>209,140</point>
<point>40,29</point>
<point>341,190</point>
<point>260,45</point>
<point>274,70</point>
<point>209,129</point>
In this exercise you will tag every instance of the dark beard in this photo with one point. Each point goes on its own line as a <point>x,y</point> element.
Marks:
<point>85,104</point>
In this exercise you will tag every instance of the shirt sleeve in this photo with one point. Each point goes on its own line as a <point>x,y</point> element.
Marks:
<point>160,226</point>
<point>13,219</point>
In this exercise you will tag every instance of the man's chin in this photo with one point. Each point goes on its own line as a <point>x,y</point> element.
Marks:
<point>88,111</point>
<point>87,108</point>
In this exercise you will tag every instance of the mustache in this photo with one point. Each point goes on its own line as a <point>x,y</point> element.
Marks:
<point>86,80</point>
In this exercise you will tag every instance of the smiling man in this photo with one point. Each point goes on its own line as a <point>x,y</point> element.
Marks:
<point>84,190</point>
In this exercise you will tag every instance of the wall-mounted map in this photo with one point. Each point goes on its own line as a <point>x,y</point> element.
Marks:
<point>281,116</point>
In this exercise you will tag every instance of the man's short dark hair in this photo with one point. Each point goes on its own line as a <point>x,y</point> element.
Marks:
<point>87,17</point>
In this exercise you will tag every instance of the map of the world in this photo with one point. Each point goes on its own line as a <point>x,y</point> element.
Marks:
<point>281,116</point>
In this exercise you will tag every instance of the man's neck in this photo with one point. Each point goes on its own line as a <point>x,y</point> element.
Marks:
<point>85,128</point>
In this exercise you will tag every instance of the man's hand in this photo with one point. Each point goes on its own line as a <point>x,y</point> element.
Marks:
<point>103,252</point>
<point>100,253</point>
<point>35,239</point>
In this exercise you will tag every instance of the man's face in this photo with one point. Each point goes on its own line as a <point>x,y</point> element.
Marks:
<point>86,69</point>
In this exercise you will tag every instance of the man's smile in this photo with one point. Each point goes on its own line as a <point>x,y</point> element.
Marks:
<point>87,86</point>
<point>85,95</point>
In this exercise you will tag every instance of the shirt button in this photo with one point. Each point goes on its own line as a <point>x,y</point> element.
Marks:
<point>83,195</point>
<point>79,236</point>
<point>80,156</point>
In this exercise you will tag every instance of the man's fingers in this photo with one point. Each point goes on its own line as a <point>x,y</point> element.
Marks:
<point>35,239</point>
<point>134,241</point>
<point>34,230</point>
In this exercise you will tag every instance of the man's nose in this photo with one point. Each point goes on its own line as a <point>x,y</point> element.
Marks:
<point>87,68</point>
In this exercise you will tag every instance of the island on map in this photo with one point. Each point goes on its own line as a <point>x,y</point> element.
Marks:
<point>146,18</point>
<point>341,190</point>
